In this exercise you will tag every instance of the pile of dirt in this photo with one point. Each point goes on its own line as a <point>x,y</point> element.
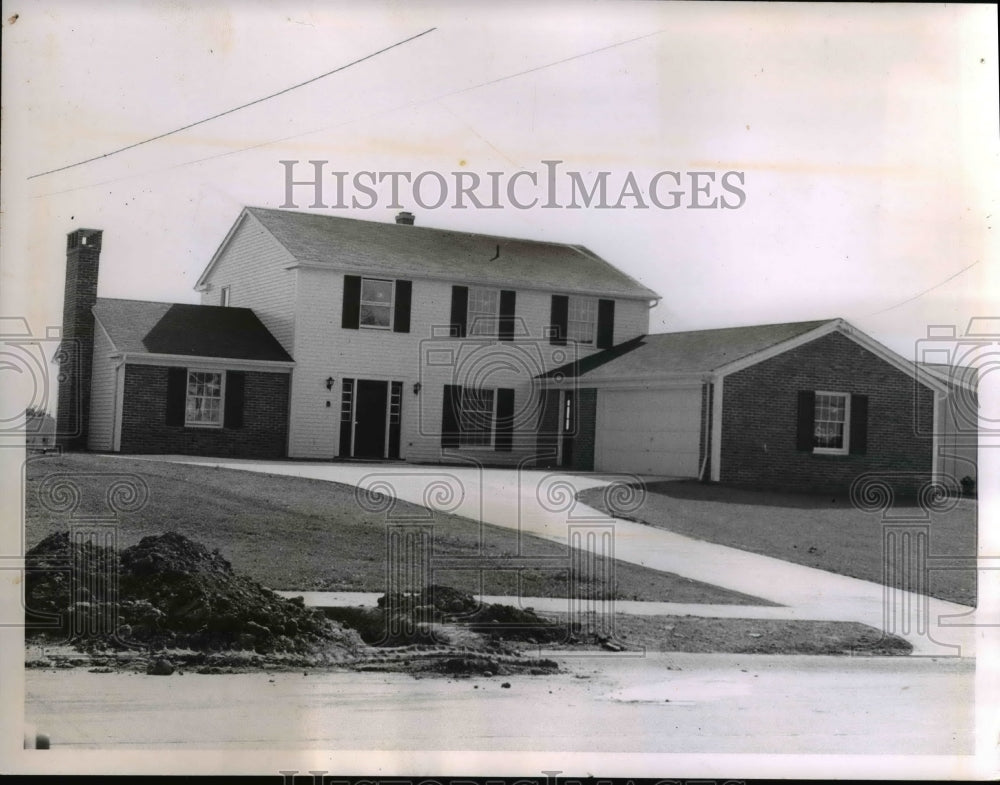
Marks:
<point>437,614</point>
<point>169,593</point>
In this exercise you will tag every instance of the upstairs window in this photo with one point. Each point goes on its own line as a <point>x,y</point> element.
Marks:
<point>224,297</point>
<point>581,319</point>
<point>376,303</point>
<point>483,310</point>
<point>203,406</point>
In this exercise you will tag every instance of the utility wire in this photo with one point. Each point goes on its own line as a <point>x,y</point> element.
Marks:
<point>400,107</point>
<point>925,291</point>
<point>235,108</point>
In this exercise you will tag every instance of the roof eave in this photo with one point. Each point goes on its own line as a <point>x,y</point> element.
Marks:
<point>644,296</point>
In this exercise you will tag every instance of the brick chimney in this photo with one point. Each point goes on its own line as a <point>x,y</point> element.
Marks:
<point>83,251</point>
<point>405,218</point>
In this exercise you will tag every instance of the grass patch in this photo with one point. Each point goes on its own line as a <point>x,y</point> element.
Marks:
<point>817,531</point>
<point>298,534</point>
<point>751,636</point>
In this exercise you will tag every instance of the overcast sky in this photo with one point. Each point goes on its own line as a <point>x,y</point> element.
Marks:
<point>867,136</point>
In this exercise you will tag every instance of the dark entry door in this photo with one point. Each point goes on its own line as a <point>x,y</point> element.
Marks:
<point>370,418</point>
<point>567,427</point>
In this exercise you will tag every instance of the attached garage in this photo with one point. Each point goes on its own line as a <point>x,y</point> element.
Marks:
<point>810,406</point>
<point>648,431</point>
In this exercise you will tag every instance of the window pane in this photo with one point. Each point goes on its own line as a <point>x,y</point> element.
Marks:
<point>375,291</point>
<point>483,308</point>
<point>204,398</point>
<point>476,418</point>
<point>375,315</point>
<point>581,319</point>
<point>830,419</point>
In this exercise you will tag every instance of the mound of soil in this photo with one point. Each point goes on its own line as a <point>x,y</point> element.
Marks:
<point>168,592</point>
<point>428,617</point>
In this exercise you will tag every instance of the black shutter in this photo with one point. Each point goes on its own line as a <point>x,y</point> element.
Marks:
<point>508,304</point>
<point>605,324</point>
<point>401,320</point>
<point>859,424</point>
<point>806,420</point>
<point>351,315</point>
<point>346,417</point>
<point>559,321</point>
<point>176,395</point>
<point>503,440</point>
<point>449,415</point>
<point>234,399</point>
<point>459,310</point>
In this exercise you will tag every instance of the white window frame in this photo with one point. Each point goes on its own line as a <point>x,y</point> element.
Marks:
<point>846,446</point>
<point>591,302</point>
<point>493,420</point>
<point>224,296</point>
<point>188,423</point>
<point>391,304</point>
<point>477,319</point>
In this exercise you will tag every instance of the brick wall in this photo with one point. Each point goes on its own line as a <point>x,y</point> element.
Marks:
<point>759,420</point>
<point>144,412</point>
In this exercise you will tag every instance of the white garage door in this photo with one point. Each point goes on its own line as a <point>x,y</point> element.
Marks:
<point>649,431</point>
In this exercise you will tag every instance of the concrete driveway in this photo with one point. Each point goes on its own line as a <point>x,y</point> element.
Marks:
<point>543,503</point>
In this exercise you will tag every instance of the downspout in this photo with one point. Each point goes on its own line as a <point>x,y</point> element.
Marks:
<point>706,426</point>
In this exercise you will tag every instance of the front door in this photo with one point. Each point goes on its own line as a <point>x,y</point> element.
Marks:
<point>567,428</point>
<point>370,419</point>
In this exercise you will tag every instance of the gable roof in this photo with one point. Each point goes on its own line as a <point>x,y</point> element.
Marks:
<point>684,353</point>
<point>143,327</point>
<point>391,249</point>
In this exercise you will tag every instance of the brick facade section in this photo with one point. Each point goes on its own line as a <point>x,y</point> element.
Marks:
<point>83,251</point>
<point>265,418</point>
<point>759,420</point>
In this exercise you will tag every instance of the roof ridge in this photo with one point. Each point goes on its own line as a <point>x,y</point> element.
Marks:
<point>747,327</point>
<point>410,227</point>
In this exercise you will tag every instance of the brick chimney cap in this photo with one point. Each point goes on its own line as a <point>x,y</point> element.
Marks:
<point>406,218</point>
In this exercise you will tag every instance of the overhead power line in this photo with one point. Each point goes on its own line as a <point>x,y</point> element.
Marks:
<point>407,105</point>
<point>925,291</point>
<point>235,108</point>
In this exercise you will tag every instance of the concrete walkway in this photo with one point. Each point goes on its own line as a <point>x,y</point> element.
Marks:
<point>543,504</point>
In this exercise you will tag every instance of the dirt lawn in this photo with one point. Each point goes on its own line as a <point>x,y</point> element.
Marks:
<point>817,531</point>
<point>298,534</point>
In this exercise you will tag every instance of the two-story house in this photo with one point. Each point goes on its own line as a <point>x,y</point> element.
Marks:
<point>322,337</point>
<point>325,337</point>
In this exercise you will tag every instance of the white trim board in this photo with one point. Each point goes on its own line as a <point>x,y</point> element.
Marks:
<point>209,363</point>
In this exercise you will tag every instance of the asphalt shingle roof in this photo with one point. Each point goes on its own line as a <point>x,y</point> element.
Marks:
<point>395,249</point>
<point>697,351</point>
<point>143,327</point>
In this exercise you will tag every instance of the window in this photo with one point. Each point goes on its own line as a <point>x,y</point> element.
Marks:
<point>203,405</point>
<point>224,297</point>
<point>482,310</point>
<point>581,319</point>
<point>376,303</point>
<point>476,418</point>
<point>831,418</point>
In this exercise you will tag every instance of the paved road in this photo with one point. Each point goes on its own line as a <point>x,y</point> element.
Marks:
<point>542,503</point>
<point>661,703</point>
